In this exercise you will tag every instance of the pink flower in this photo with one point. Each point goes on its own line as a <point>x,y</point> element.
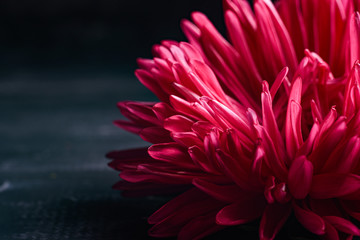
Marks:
<point>257,127</point>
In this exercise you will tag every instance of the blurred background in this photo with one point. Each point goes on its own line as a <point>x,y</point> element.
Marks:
<point>63,66</point>
<point>89,35</point>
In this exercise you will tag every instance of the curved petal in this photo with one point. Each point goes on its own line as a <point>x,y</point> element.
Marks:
<point>332,185</point>
<point>171,153</point>
<point>240,212</point>
<point>310,220</point>
<point>343,225</point>
<point>274,217</point>
<point>300,177</point>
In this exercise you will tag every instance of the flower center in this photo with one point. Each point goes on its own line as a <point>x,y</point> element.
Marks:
<point>276,192</point>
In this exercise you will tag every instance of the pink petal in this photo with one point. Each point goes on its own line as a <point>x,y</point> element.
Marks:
<point>199,227</point>
<point>207,75</point>
<point>149,82</point>
<point>178,123</point>
<point>187,139</point>
<point>278,81</point>
<point>233,169</point>
<point>171,153</point>
<point>201,128</point>
<point>274,217</point>
<point>155,135</point>
<point>224,193</point>
<point>332,185</point>
<point>352,207</point>
<point>343,225</point>
<point>242,211</point>
<point>270,123</point>
<point>331,233</point>
<point>171,217</point>
<point>238,39</point>
<point>345,158</point>
<point>163,111</point>
<point>191,52</point>
<point>300,177</point>
<point>311,221</point>
<point>140,112</point>
<point>128,126</point>
<point>200,159</point>
<point>293,119</point>
<point>354,37</point>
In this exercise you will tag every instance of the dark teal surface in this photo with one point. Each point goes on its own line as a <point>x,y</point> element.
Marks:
<point>54,178</point>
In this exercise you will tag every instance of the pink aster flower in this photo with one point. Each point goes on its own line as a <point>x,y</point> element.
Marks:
<point>259,126</point>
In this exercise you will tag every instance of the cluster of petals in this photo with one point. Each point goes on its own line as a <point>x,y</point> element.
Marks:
<point>260,125</point>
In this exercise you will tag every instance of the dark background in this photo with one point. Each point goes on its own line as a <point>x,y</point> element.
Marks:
<point>90,35</point>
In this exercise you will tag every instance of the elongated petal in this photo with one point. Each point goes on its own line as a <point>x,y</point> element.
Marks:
<point>293,119</point>
<point>155,135</point>
<point>333,185</point>
<point>171,153</point>
<point>178,123</point>
<point>300,177</point>
<point>343,225</point>
<point>273,219</point>
<point>242,211</point>
<point>352,208</point>
<point>199,227</point>
<point>311,221</point>
<point>354,37</point>
<point>224,193</point>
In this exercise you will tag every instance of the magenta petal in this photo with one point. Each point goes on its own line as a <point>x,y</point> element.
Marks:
<point>331,232</point>
<point>333,185</point>
<point>354,37</point>
<point>171,153</point>
<point>310,220</point>
<point>293,119</point>
<point>199,228</point>
<point>269,121</point>
<point>242,211</point>
<point>300,177</point>
<point>128,126</point>
<point>163,111</point>
<point>178,123</point>
<point>274,217</point>
<point>224,193</point>
<point>187,139</point>
<point>155,135</point>
<point>352,207</point>
<point>171,217</point>
<point>343,225</point>
<point>192,195</point>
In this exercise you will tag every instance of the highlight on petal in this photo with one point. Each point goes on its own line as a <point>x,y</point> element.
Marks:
<point>354,37</point>
<point>310,220</point>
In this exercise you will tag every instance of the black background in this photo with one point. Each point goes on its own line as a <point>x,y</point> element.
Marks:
<point>90,35</point>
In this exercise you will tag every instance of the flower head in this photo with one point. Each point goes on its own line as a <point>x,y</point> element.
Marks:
<point>259,126</point>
